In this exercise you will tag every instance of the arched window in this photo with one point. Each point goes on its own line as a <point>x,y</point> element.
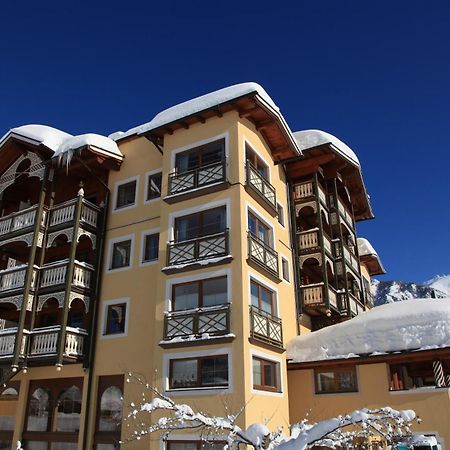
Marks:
<point>68,410</point>
<point>39,410</point>
<point>110,414</point>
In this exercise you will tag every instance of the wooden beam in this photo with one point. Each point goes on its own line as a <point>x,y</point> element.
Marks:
<point>185,125</point>
<point>248,112</point>
<point>169,130</point>
<point>218,112</point>
<point>201,118</point>
<point>264,124</point>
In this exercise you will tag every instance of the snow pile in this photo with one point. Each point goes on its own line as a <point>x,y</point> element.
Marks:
<point>415,324</point>
<point>365,248</point>
<point>198,104</point>
<point>64,144</point>
<point>441,283</point>
<point>307,139</point>
<point>41,134</point>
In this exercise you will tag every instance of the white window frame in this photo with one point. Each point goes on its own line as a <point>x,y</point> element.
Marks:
<point>147,175</point>
<point>105,305</point>
<point>263,282</point>
<point>199,390</point>
<point>271,358</point>
<point>111,243</point>
<point>197,277</point>
<point>145,233</point>
<point>116,191</point>
<point>264,160</point>
<point>264,219</point>
<point>204,207</point>
<point>289,267</point>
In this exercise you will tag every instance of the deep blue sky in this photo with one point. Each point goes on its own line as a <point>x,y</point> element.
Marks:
<point>375,74</point>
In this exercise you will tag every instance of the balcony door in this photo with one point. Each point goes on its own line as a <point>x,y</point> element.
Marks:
<point>257,162</point>
<point>201,156</point>
<point>203,223</point>
<point>259,229</point>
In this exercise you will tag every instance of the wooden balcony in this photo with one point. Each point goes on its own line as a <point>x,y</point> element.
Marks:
<point>264,190</point>
<point>265,327</point>
<point>199,249</point>
<point>63,214</point>
<point>305,191</point>
<point>13,279</point>
<point>54,275</point>
<point>317,296</point>
<point>202,323</point>
<point>202,178</point>
<point>44,342</point>
<point>19,223</point>
<point>309,241</point>
<point>8,340</point>
<point>263,255</point>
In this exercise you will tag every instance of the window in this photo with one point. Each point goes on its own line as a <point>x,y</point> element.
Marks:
<point>203,223</point>
<point>154,181</point>
<point>266,375</point>
<point>121,254</point>
<point>285,269</point>
<point>259,229</point>
<point>334,381</point>
<point>39,410</point>
<point>68,410</point>
<point>116,318</point>
<point>262,298</point>
<point>196,294</point>
<point>280,211</point>
<point>201,156</point>
<point>126,194</point>
<point>196,445</point>
<point>208,371</point>
<point>151,247</point>
<point>415,375</point>
<point>260,166</point>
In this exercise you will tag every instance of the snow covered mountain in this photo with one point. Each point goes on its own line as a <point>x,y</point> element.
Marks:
<point>396,291</point>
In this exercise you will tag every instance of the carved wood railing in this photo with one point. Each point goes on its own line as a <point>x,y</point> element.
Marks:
<point>257,182</point>
<point>265,327</point>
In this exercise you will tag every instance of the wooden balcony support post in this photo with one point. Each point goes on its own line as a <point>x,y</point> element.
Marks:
<point>69,277</point>
<point>30,269</point>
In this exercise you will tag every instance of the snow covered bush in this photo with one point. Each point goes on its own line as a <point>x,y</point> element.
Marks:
<point>158,413</point>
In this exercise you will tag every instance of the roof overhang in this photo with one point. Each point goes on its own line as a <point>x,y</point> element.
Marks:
<point>373,264</point>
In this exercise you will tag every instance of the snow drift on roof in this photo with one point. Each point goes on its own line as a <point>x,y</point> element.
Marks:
<point>197,105</point>
<point>42,134</point>
<point>104,144</point>
<point>307,139</point>
<point>408,325</point>
<point>365,248</point>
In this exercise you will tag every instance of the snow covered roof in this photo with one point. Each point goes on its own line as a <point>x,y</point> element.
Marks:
<point>370,257</point>
<point>394,327</point>
<point>307,139</point>
<point>365,247</point>
<point>198,104</point>
<point>61,142</point>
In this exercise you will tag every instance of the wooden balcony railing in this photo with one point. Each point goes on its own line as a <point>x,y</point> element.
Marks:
<point>64,213</point>
<point>44,341</point>
<point>197,178</point>
<point>54,274</point>
<point>211,321</point>
<point>315,295</point>
<point>8,340</point>
<point>14,278</point>
<point>198,249</point>
<point>265,327</point>
<point>262,254</point>
<point>310,240</point>
<point>303,191</point>
<point>258,183</point>
<point>21,220</point>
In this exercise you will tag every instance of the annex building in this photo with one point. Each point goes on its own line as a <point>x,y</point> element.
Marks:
<point>191,249</point>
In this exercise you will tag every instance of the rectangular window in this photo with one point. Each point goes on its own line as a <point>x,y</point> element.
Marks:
<point>121,254</point>
<point>201,156</point>
<point>116,319</point>
<point>126,194</point>
<point>415,375</point>
<point>259,229</point>
<point>197,294</point>
<point>262,298</point>
<point>208,371</point>
<point>285,269</point>
<point>280,211</point>
<point>200,224</point>
<point>151,247</point>
<point>335,381</point>
<point>260,166</point>
<point>154,182</point>
<point>266,374</point>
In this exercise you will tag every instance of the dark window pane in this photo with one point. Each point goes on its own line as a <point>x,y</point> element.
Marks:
<point>126,194</point>
<point>213,221</point>
<point>184,373</point>
<point>121,254</point>
<point>151,250</point>
<point>187,227</point>
<point>215,371</point>
<point>269,375</point>
<point>185,296</point>
<point>111,405</point>
<point>154,186</point>
<point>215,292</point>
<point>116,319</point>
<point>186,161</point>
<point>68,410</point>
<point>213,153</point>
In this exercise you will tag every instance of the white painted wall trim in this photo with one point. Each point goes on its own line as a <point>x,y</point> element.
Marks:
<point>105,304</point>
<point>116,188</point>
<point>147,174</point>
<point>111,243</point>
<point>145,233</point>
